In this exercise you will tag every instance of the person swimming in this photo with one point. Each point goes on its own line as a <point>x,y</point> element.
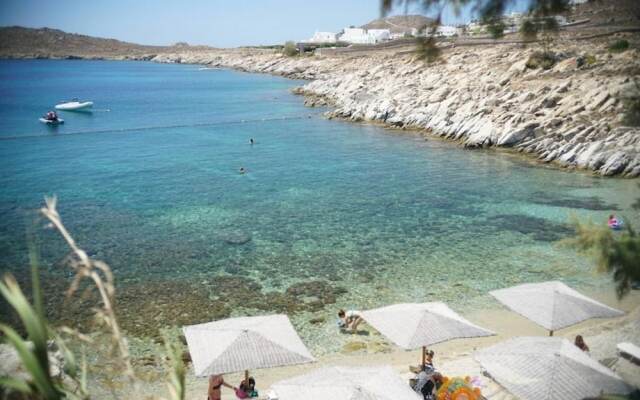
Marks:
<point>242,170</point>
<point>251,141</point>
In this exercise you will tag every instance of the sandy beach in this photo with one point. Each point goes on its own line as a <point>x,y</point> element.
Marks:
<point>454,358</point>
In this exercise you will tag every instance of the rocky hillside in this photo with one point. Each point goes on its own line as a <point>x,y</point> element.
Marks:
<point>480,94</point>
<point>400,23</point>
<point>571,115</point>
<point>19,42</point>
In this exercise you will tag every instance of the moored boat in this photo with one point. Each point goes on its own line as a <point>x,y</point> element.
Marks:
<point>51,121</point>
<point>74,105</point>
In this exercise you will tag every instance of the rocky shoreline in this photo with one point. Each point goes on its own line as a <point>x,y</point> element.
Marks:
<point>570,115</point>
<point>481,96</point>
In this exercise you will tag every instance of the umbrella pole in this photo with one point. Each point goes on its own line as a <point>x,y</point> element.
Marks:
<point>246,377</point>
<point>424,356</point>
<point>550,333</point>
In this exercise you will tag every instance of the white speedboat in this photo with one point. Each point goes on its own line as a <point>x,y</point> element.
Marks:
<point>74,105</point>
<point>51,121</point>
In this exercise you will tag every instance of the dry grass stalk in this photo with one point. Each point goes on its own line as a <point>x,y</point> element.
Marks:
<point>101,275</point>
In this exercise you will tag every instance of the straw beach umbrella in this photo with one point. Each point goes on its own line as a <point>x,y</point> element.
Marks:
<point>548,368</point>
<point>346,383</point>
<point>244,343</point>
<point>413,325</point>
<point>552,305</point>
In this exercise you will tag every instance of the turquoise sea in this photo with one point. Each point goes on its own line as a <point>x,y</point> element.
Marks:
<point>330,214</point>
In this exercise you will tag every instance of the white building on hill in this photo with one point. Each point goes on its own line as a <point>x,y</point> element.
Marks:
<point>356,35</point>
<point>323,37</point>
<point>380,35</point>
<point>364,36</point>
<point>447,31</point>
<point>413,32</point>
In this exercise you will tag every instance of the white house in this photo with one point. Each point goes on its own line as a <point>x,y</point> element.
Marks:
<point>447,31</point>
<point>356,35</point>
<point>323,37</point>
<point>413,32</point>
<point>364,36</point>
<point>476,28</point>
<point>380,35</point>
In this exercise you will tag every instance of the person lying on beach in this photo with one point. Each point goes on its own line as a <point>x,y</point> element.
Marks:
<point>579,342</point>
<point>215,384</point>
<point>349,319</point>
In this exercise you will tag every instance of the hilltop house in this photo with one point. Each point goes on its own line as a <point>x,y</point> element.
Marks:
<point>365,36</point>
<point>323,37</point>
<point>398,35</point>
<point>447,31</point>
<point>379,35</point>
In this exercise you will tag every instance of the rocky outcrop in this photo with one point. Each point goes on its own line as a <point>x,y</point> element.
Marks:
<point>11,365</point>
<point>480,96</point>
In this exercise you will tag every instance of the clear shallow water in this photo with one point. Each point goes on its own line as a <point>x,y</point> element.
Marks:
<point>330,214</point>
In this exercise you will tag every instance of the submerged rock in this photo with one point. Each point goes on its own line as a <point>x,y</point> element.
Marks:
<point>235,237</point>
<point>352,347</point>
<point>538,228</point>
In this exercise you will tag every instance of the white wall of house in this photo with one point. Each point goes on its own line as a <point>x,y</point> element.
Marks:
<point>323,37</point>
<point>380,35</point>
<point>364,36</point>
<point>356,35</point>
<point>446,30</point>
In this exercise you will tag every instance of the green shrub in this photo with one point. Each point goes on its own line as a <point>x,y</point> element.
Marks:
<point>290,49</point>
<point>586,60</point>
<point>619,46</point>
<point>496,29</point>
<point>632,112</point>
<point>541,59</point>
<point>427,49</point>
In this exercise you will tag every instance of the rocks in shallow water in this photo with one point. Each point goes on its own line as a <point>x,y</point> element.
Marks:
<point>352,347</point>
<point>317,320</point>
<point>538,228</point>
<point>145,308</point>
<point>153,305</point>
<point>11,365</point>
<point>587,203</point>
<point>235,237</point>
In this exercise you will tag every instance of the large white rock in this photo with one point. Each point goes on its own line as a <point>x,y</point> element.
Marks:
<point>616,163</point>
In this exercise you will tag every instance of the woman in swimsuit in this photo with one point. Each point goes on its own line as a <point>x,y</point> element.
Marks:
<point>215,384</point>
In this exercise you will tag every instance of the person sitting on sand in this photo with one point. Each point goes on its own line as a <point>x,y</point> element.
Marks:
<point>579,342</point>
<point>349,319</point>
<point>215,383</point>
<point>247,389</point>
<point>428,360</point>
<point>427,383</point>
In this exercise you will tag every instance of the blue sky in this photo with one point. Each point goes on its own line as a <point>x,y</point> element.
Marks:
<point>223,23</point>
